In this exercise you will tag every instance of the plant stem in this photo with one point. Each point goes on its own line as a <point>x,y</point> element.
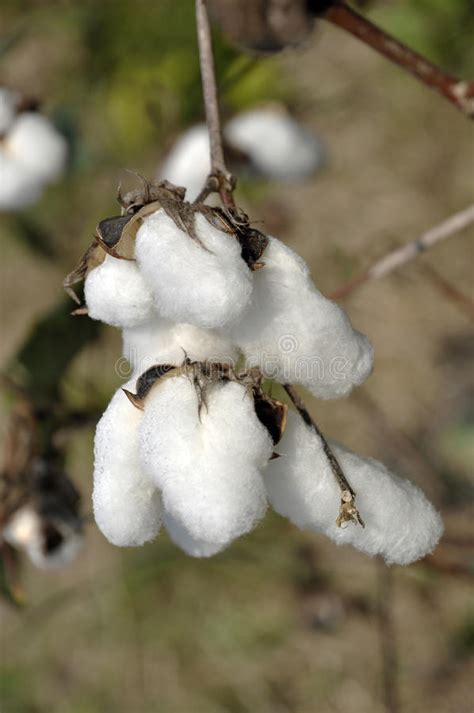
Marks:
<point>458,92</point>
<point>401,256</point>
<point>220,178</point>
<point>348,510</point>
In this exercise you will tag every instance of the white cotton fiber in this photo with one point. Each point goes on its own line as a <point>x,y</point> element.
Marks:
<point>207,468</point>
<point>186,542</point>
<point>127,506</point>
<point>400,523</point>
<point>294,334</point>
<point>188,163</point>
<point>278,146</point>
<point>208,287</point>
<point>116,293</point>
<point>160,341</point>
<point>8,104</point>
<point>34,143</point>
<point>18,188</point>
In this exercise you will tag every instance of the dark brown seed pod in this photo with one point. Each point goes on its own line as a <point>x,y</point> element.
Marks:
<point>271,413</point>
<point>109,233</point>
<point>147,380</point>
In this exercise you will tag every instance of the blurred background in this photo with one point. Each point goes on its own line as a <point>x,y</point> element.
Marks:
<point>283,621</point>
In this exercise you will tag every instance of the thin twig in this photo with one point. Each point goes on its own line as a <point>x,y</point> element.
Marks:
<point>451,292</point>
<point>458,92</point>
<point>387,637</point>
<point>401,256</point>
<point>220,178</point>
<point>348,510</point>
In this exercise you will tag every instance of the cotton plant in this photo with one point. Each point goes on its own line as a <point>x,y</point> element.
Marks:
<point>264,141</point>
<point>32,153</point>
<point>212,311</point>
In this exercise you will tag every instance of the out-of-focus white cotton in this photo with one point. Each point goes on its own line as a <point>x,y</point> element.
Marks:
<point>127,506</point>
<point>206,286</point>
<point>117,294</point>
<point>160,341</point>
<point>188,163</point>
<point>207,467</point>
<point>400,523</point>
<point>278,146</point>
<point>295,334</point>
<point>18,188</point>
<point>36,145</point>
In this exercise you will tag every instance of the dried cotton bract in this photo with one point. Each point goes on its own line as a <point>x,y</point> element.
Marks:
<point>207,284</point>
<point>296,335</point>
<point>400,524</point>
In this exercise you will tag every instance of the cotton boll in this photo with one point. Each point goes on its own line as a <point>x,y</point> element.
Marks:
<point>160,341</point>
<point>186,542</point>
<point>35,144</point>
<point>49,544</point>
<point>18,188</point>
<point>206,287</point>
<point>127,506</point>
<point>117,294</point>
<point>400,523</point>
<point>188,163</point>
<point>277,145</point>
<point>8,105</point>
<point>294,334</point>
<point>207,466</point>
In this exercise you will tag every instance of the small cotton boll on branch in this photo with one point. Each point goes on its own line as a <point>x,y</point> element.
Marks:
<point>116,293</point>
<point>296,335</point>
<point>34,143</point>
<point>206,286</point>
<point>127,506</point>
<point>160,341</point>
<point>8,105</point>
<point>18,188</point>
<point>400,523</point>
<point>206,465</point>
<point>278,146</point>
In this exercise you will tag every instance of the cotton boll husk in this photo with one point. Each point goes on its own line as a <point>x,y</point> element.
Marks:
<point>188,163</point>
<point>294,334</point>
<point>400,523</point>
<point>207,467</point>
<point>278,146</point>
<point>160,341</point>
<point>37,145</point>
<point>8,105</point>
<point>18,188</point>
<point>116,293</point>
<point>127,506</point>
<point>186,542</point>
<point>205,287</point>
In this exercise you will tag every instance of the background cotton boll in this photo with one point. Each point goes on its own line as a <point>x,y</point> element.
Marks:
<point>18,188</point>
<point>127,506</point>
<point>297,335</point>
<point>188,162</point>
<point>184,540</point>
<point>117,294</point>
<point>160,341</point>
<point>400,523</point>
<point>206,287</point>
<point>37,145</point>
<point>8,104</point>
<point>207,467</point>
<point>277,145</point>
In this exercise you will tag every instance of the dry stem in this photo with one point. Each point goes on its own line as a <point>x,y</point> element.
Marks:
<point>401,256</point>
<point>348,510</point>
<point>220,178</point>
<point>458,92</point>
